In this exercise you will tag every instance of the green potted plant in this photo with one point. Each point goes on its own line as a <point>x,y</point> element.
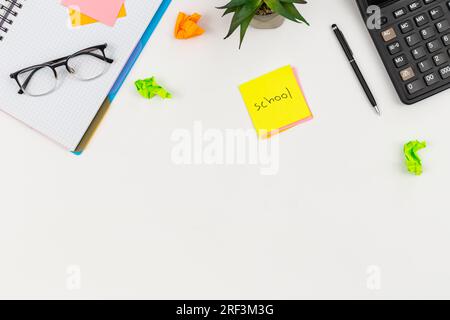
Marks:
<point>262,14</point>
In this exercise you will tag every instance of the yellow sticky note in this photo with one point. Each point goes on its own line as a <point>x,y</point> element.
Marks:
<point>78,19</point>
<point>275,102</point>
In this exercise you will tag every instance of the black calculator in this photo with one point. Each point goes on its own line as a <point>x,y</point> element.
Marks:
<point>413,40</point>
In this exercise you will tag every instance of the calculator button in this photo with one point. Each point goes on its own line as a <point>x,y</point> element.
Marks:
<point>431,79</point>
<point>434,46</point>
<point>415,5</point>
<point>407,74</point>
<point>406,26</point>
<point>428,1</point>
<point>442,26</point>
<point>394,48</point>
<point>388,34</point>
<point>421,20</point>
<point>400,12</point>
<point>440,59</point>
<point>446,39</point>
<point>425,65</point>
<point>400,61</point>
<point>427,33</point>
<point>445,72</point>
<point>412,39</point>
<point>436,13</point>
<point>415,86</point>
<point>419,53</point>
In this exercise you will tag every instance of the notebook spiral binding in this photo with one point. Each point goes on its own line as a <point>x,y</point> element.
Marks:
<point>8,10</point>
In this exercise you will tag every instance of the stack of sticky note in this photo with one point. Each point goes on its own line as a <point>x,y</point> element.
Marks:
<point>275,102</point>
<point>83,12</point>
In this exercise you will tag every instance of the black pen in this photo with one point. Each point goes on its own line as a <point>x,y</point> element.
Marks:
<point>351,59</point>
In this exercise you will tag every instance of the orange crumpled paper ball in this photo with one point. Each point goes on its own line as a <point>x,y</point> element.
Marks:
<point>187,27</point>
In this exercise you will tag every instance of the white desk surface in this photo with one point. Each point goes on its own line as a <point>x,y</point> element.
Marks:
<point>136,225</point>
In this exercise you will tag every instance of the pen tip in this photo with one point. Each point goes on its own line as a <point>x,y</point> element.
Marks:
<point>377,110</point>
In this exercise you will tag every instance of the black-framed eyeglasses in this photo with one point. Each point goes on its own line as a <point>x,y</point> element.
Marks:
<point>85,65</point>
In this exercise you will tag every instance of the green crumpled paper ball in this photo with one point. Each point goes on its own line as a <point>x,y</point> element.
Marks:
<point>412,160</point>
<point>149,88</point>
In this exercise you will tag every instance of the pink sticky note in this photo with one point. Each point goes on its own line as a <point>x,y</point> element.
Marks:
<point>105,11</point>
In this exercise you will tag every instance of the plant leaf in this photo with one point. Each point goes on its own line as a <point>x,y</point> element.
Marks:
<point>228,11</point>
<point>242,14</point>
<point>244,27</point>
<point>234,4</point>
<point>293,10</point>
<point>277,6</point>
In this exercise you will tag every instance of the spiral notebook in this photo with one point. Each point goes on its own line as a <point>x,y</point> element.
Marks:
<point>37,31</point>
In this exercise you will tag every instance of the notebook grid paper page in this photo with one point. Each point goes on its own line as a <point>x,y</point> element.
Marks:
<point>42,32</point>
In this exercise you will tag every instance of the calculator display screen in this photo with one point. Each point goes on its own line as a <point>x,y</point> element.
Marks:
<point>379,3</point>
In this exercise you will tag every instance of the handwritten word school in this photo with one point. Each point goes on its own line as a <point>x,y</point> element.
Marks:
<point>266,102</point>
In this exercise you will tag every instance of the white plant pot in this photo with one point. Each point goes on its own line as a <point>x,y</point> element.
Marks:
<point>269,21</point>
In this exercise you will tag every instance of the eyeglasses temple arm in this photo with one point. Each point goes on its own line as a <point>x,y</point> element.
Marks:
<point>100,57</point>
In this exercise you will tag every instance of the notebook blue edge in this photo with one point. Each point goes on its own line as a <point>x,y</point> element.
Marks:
<point>137,52</point>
